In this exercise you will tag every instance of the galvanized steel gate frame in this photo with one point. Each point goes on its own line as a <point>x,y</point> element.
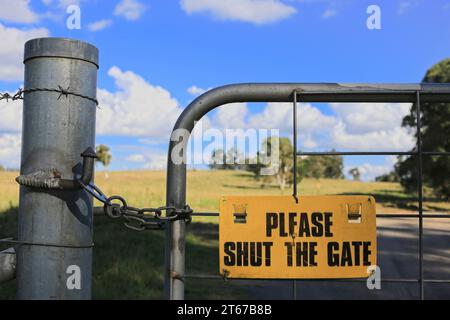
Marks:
<point>293,93</point>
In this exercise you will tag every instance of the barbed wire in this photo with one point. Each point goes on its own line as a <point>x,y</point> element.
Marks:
<point>62,92</point>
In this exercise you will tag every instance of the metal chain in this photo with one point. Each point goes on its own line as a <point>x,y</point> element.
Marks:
<point>138,219</point>
<point>62,92</point>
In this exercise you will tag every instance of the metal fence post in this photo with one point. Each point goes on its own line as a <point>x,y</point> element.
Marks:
<point>54,260</point>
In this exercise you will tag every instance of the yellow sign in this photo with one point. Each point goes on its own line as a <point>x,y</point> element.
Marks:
<point>319,237</point>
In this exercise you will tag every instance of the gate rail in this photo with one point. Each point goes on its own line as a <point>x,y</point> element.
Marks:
<point>285,92</point>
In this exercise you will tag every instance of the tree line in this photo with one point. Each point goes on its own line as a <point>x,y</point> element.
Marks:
<point>330,167</point>
<point>435,132</point>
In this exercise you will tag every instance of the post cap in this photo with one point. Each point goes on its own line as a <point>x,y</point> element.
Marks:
<point>62,48</point>
<point>89,153</point>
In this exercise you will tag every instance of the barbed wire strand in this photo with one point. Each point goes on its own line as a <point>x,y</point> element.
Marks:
<point>62,92</point>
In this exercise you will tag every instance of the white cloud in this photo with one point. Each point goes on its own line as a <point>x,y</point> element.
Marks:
<point>254,11</point>
<point>10,145</point>
<point>156,162</point>
<point>17,11</point>
<point>99,25</point>
<point>407,5</point>
<point>370,171</point>
<point>329,13</point>
<point>361,126</point>
<point>62,4</point>
<point>196,91</point>
<point>365,117</point>
<point>396,139</point>
<point>136,158</point>
<point>66,3</point>
<point>279,116</point>
<point>137,109</point>
<point>11,119</point>
<point>11,55</point>
<point>231,116</point>
<point>371,126</point>
<point>314,126</point>
<point>130,9</point>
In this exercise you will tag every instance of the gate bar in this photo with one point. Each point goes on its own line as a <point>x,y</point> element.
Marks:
<point>261,92</point>
<point>420,191</point>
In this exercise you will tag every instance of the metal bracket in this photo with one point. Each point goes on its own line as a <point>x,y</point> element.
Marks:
<point>51,178</point>
<point>7,265</point>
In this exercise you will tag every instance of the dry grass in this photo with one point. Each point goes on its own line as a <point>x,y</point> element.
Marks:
<point>204,188</point>
<point>130,265</point>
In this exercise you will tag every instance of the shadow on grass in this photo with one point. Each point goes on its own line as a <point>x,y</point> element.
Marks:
<point>258,187</point>
<point>204,260</point>
<point>130,265</point>
<point>400,200</point>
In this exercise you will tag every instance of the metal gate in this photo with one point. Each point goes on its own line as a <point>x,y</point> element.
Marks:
<point>332,92</point>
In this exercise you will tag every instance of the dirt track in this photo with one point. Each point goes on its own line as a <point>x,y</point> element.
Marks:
<point>397,257</point>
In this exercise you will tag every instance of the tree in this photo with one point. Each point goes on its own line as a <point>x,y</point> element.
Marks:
<point>330,167</point>
<point>255,166</point>
<point>103,156</point>
<point>217,159</point>
<point>435,121</point>
<point>354,172</point>
<point>233,159</point>
<point>2,168</point>
<point>388,177</point>
<point>334,167</point>
<point>283,165</point>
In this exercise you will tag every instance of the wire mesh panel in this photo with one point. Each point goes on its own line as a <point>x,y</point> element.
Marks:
<point>417,152</point>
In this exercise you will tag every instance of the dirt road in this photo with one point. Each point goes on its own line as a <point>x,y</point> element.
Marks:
<point>397,257</point>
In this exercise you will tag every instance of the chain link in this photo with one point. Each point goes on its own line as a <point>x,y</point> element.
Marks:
<point>62,92</point>
<point>138,219</point>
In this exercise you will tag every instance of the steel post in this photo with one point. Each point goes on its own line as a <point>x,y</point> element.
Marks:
<point>54,260</point>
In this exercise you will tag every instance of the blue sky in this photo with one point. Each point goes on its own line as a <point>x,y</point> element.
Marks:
<point>157,55</point>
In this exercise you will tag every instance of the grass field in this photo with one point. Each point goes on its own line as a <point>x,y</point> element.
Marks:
<point>129,265</point>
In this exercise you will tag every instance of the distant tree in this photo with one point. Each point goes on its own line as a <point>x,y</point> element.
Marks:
<point>255,165</point>
<point>435,120</point>
<point>103,156</point>
<point>2,168</point>
<point>334,167</point>
<point>330,167</point>
<point>217,159</point>
<point>284,167</point>
<point>233,159</point>
<point>356,175</point>
<point>388,177</point>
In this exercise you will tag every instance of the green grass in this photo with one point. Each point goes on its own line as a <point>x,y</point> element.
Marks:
<point>129,265</point>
